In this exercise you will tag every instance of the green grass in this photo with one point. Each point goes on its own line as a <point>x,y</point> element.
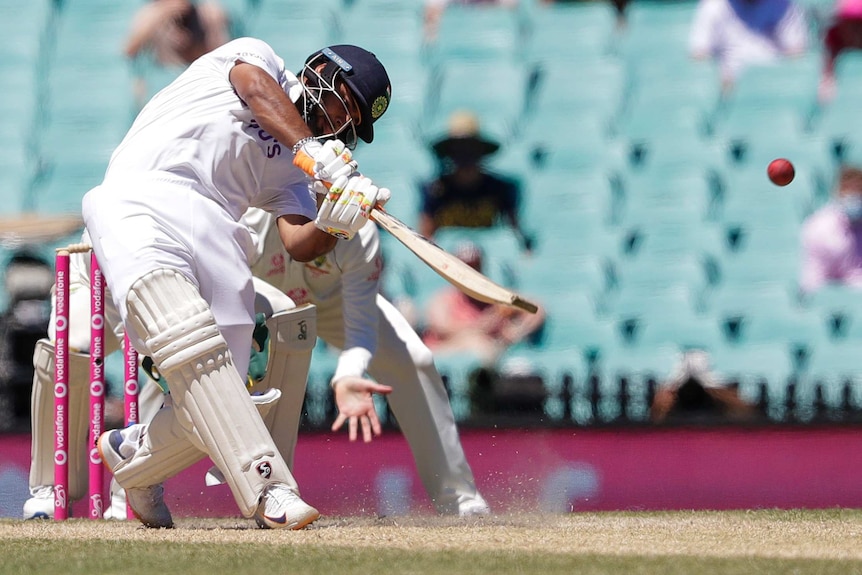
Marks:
<point>702,543</point>
<point>106,558</point>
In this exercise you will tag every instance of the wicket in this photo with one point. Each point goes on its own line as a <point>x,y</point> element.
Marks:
<point>96,386</point>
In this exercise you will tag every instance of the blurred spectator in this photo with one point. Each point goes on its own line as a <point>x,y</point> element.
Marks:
<point>844,32</point>
<point>742,32</point>
<point>695,394</point>
<point>832,237</point>
<point>434,9</point>
<point>27,281</point>
<point>457,323</point>
<point>465,193</point>
<point>175,33</point>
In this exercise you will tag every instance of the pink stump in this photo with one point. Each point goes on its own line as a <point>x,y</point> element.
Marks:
<point>61,387</point>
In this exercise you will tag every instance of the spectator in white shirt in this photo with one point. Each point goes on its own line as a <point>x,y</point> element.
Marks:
<point>742,32</point>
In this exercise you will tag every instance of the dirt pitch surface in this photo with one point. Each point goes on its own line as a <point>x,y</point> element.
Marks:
<point>828,534</point>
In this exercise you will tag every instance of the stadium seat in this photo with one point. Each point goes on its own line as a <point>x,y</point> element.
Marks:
<point>780,96</point>
<point>670,98</point>
<point>295,30</point>
<point>839,307</point>
<point>755,366</point>
<point>748,196</point>
<point>683,329</point>
<point>653,195</point>
<point>574,323</point>
<point>581,88</point>
<point>588,144</point>
<point>753,270</point>
<point>676,235</point>
<point>837,120</point>
<point>732,302</point>
<point>801,331</point>
<point>550,276</point>
<point>637,366</point>
<point>634,306</point>
<point>645,18</point>
<point>588,28</point>
<point>478,33</point>
<point>476,86</point>
<point>646,273</point>
<point>833,376</point>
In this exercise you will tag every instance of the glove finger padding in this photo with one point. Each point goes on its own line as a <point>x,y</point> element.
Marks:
<point>347,206</point>
<point>352,199</point>
<point>328,161</point>
<point>336,161</point>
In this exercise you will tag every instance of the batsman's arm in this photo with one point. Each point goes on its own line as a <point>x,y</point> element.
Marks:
<point>269,105</point>
<point>302,239</point>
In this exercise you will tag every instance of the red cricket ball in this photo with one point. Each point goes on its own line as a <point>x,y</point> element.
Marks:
<point>781,172</point>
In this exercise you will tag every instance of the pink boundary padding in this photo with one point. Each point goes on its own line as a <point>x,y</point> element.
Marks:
<point>130,392</point>
<point>97,387</point>
<point>582,469</point>
<point>61,387</point>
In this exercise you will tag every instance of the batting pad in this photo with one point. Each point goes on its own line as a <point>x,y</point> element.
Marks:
<point>165,449</point>
<point>210,400</point>
<point>293,334</point>
<point>42,419</point>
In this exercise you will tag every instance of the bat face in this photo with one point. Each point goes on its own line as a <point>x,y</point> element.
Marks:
<point>449,267</point>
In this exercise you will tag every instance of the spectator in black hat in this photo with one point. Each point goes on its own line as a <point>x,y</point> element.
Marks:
<point>465,193</point>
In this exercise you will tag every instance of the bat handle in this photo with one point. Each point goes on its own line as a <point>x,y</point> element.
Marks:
<point>306,163</point>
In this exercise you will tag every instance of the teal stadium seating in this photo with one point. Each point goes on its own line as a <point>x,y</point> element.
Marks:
<point>647,194</point>
<point>23,27</point>
<point>835,374</point>
<point>491,33</point>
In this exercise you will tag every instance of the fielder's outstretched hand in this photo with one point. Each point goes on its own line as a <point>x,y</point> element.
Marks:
<point>353,396</point>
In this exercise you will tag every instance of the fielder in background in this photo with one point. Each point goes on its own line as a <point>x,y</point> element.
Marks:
<point>235,130</point>
<point>374,338</point>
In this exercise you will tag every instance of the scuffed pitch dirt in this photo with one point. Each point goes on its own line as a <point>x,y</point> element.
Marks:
<point>788,534</point>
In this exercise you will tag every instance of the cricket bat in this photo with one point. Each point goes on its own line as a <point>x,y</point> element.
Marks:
<point>449,267</point>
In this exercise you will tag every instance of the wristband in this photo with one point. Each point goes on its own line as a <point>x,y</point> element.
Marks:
<point>302,142</point>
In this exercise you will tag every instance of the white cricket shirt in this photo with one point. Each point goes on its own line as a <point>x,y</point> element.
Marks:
<point>198,130</point>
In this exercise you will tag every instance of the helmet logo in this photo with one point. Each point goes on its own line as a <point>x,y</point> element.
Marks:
<point>379,106</point>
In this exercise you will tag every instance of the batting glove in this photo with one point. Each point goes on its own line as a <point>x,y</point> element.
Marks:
<point>348,205</point>
<point>326,162</point>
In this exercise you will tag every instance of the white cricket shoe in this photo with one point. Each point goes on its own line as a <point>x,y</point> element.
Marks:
<point>281,508</point>
<point>473,506</point>
<point>147,503</point>
<point>41,503</point>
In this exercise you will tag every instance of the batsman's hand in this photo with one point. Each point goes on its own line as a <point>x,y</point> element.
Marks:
<point>326,162</point>
<point>353,397</point>
<point>348,204</point>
